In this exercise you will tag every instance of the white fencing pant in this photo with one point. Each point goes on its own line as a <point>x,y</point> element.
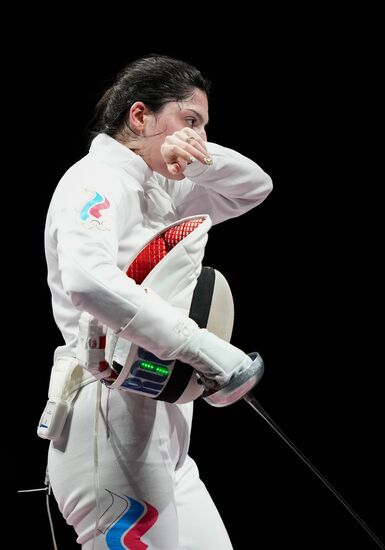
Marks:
<point>150,492</point>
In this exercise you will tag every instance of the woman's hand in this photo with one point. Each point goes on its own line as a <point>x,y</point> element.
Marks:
<point>181,149</point>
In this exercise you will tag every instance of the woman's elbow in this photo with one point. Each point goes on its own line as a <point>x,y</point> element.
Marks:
<point>266,185</point>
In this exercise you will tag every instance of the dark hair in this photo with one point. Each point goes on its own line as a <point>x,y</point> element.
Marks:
<point>155,80</point>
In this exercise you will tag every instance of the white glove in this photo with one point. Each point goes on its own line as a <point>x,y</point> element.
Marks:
<point>169,334</point>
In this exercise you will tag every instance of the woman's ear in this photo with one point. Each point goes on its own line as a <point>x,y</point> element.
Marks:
<point>137,117</point>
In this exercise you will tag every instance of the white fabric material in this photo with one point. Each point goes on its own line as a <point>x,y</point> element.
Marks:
<point>174,277</point>
<point>85,258</point>
<point>104,209</point>
<point>142,451</point>
<point>170,334</point>
<point>162,325</point>
<point>90,349</point>
<point>67,377</point>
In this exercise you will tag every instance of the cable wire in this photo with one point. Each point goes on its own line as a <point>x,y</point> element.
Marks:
<point>47,490</point>
<point>47,495</point>
<point>96,460</point>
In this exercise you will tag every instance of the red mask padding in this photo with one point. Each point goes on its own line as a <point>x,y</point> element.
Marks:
<point>157,249</point>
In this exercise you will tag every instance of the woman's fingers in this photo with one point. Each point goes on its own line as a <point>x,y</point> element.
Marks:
<point>176,168</point>
<point>183,147</point>
<point>197,143</point>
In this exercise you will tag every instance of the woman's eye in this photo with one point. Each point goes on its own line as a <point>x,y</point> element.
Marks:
<point>191,122</point>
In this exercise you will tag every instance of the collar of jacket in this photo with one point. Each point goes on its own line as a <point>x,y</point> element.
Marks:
<point>109,150</point>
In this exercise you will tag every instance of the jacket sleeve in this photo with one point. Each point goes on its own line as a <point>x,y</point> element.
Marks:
<point>228,188</point>
<point>86,218</point>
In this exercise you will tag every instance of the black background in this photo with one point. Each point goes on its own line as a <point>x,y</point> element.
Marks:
<point>304,266</point>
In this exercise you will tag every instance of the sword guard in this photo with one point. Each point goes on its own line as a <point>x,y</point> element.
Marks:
<point>237,387</point>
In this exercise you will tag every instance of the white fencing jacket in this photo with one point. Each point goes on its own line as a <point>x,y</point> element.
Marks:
<point>107,205</point>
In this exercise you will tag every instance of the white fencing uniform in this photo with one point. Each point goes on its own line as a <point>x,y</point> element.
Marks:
<point>102,212</point>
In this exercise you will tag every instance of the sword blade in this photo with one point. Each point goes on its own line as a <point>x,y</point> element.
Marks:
<point>254,404</point>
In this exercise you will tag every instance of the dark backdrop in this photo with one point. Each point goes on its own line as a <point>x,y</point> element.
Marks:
<point>304,266</point>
